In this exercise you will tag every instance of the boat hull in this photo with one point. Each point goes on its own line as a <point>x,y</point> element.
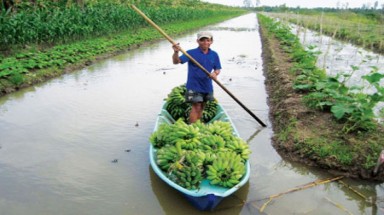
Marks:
<point>204,203</point>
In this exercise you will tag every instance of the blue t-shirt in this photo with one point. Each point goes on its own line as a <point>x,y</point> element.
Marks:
<point>198,80</point>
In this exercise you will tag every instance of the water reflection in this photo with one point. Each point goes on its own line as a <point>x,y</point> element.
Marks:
<point>253,135</point>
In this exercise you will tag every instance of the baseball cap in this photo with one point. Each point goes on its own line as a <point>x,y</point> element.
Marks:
<point>205,34</point>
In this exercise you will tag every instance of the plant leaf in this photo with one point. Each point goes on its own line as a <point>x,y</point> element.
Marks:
<point>373,78</point>
<point>339,110</point>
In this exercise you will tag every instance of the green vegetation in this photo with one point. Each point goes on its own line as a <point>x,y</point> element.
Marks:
<point>358,141</point>
<point>39,39</point>
<point>348,104</point>
<point>54,24</point>
<point>363,29</point>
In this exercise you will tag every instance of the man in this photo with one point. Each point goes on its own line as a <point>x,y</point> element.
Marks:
<point>199,85</point>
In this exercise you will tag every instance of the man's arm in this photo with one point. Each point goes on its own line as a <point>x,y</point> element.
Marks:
<point>175,56</point>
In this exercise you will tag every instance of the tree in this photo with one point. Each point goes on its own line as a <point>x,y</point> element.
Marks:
<point>247,3</point>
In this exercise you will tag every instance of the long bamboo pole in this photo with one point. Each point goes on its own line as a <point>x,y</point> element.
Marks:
<point>197,64</point>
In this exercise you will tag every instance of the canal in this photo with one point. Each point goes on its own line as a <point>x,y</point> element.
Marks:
<point>78,144</point>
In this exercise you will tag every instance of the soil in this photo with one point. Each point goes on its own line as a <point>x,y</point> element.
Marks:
<point>288,111</point>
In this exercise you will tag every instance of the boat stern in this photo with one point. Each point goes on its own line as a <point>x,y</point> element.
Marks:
<point>204,203</point>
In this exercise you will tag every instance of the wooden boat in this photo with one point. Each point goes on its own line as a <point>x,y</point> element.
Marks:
<point>208,196</point>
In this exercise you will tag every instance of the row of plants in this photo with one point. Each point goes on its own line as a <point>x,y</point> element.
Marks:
<point>345,25</point>
<point>24,5</point>
<point>52,25</point>
<point>350,106</point>
<point>330,93</point>
<point>81,43</point>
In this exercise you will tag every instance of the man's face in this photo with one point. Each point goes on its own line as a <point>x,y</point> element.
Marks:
<point>204,43</point>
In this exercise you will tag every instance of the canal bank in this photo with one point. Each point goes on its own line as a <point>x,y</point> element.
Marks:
<point>298,128</point>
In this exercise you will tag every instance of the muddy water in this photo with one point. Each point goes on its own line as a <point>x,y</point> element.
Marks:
<point>78,144</point>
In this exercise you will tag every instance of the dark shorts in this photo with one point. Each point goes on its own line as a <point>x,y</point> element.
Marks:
<point>195,97</point>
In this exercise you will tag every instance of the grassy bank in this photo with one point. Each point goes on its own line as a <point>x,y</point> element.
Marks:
<point>316,119</point>
<point>344,25</point>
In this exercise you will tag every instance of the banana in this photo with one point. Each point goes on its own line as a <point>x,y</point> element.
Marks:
<point>226,170</point>
<point>191,153</point>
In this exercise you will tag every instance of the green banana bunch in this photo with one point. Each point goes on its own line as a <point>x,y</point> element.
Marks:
<point>240,147</point>
<point>176,104</point>
<point>212,143</point>
<point>209,158</point>
<point>212,148</point>
<point>209,111</point>
<point>178,108</point>
<point>161,136</point>
<point>167,156</point>
<point>222,129</point>
<point>170,134</point>
<point>227,170</point>
<point>188,177</point>
<point>187,135</point>
<point>196,157</point>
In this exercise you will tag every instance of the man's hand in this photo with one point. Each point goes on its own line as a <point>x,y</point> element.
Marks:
<point>175,56</point>
<point>176,47</point>
<point>214,74</point>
